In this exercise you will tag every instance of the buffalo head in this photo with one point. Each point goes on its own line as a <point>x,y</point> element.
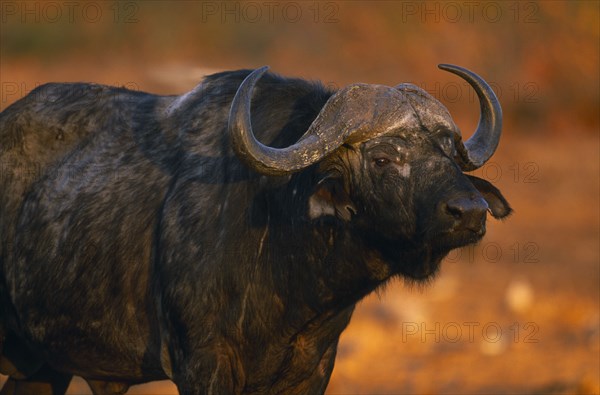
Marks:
<point>389,165</point>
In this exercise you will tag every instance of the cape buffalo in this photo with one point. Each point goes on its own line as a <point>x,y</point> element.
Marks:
<point>221,238</point>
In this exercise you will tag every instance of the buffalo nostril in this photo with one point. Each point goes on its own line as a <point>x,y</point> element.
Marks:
<point>468,213</point>
<point>454,210</point>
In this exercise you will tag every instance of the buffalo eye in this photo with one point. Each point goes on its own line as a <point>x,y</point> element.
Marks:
<point>381,162</point>
<point>447,145</point>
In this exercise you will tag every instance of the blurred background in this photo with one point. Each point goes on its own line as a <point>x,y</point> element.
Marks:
<point>519,313</point>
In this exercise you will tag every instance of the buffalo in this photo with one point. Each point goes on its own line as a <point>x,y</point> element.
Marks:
<point>222,238</point>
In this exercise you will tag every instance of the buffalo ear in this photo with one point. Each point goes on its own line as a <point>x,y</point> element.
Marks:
<point>499,207</point>
<point>330,198</point>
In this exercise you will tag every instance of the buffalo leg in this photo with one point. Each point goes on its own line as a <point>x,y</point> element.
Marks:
<point>107,387</point>
<point>46,381</point>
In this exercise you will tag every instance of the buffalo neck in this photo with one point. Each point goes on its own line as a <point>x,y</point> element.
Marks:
<point>321,264</point>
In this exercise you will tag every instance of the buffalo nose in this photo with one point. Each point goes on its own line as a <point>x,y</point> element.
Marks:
<point>468,213</point>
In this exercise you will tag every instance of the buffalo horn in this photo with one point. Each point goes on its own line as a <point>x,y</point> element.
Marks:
<point>483,143</point>
<point>316,143</point>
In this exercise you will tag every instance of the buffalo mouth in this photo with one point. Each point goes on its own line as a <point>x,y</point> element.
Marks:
<point>434,252</point>
<point>421,260</point>
<point>456,239</point>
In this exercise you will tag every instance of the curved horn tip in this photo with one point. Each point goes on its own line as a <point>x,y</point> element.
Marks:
<point>449,67</point>
<point>255,75</point>
<point>260,71</point>
<point>470,77</point>
<point>458,70</point>
<point>483,143</point>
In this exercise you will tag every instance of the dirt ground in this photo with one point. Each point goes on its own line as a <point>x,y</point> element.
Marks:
<point>518,314</point>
